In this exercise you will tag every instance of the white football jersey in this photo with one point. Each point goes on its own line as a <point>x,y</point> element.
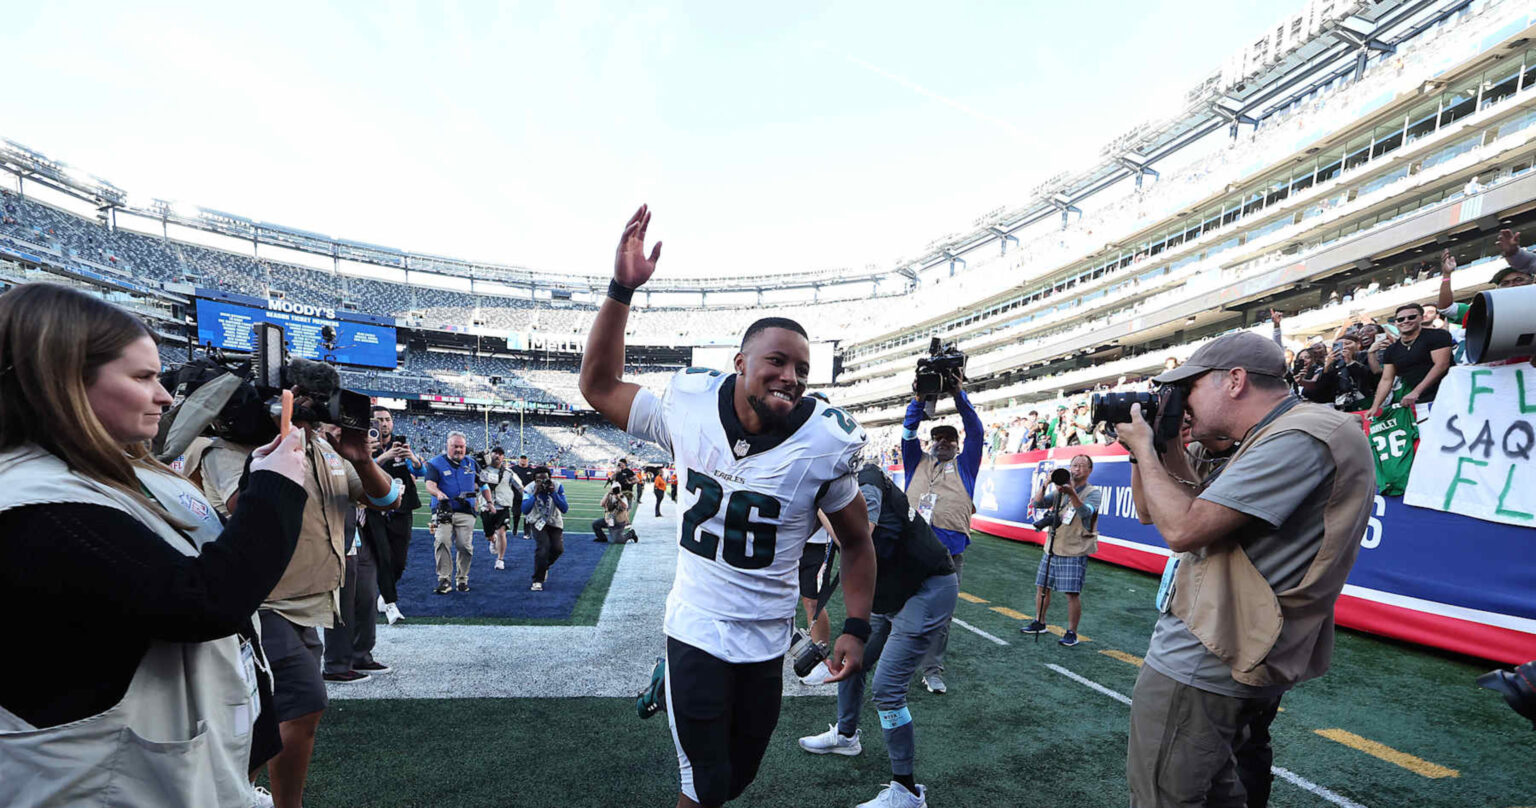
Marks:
<point>749,503</point>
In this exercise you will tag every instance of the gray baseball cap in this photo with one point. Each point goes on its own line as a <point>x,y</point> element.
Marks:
<point>1245,349</point>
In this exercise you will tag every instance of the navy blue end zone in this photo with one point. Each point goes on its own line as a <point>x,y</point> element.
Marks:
<point>497,593</point>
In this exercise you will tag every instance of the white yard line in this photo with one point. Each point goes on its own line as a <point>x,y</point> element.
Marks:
<point>968,627</point>
<point>1284,774</point>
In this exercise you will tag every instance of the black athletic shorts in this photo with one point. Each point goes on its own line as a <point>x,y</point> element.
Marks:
<point>810,564</point>
<point>491,520</point>
<point>722,715</point>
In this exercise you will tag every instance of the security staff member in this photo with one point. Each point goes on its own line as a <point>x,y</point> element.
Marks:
<point>940,485</point>
<point>453,482</point>
<point>916,586</point>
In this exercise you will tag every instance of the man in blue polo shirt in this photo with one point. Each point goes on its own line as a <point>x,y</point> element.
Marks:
<point>452,481</point>
<point>940,484</point>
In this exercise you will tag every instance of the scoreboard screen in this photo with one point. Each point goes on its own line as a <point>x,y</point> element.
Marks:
<point>228,326</point>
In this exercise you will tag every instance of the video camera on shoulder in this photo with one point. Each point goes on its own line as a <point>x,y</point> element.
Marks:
<point>239,400</point>
<point>1163,410</point>
<point>938,374</point>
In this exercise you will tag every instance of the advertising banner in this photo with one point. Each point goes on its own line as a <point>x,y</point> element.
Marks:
<point>1424,575</point>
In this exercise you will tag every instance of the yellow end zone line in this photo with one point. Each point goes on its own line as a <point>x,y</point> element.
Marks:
<point>1381,751</point>
<point>1129,659</point>
<point>1057,630</point>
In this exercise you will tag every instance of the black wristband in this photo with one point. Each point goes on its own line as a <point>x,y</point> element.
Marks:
<point>856,627</point>
<point>620,292</point>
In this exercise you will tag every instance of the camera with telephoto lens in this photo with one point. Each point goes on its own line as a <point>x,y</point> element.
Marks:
<point>938,374</point>
<point>1058,477</point>
<point>806,652</point>
<point>1163,410</point>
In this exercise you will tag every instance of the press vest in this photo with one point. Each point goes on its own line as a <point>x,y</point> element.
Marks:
<point>320,559</point>
<point>952,507</point>
<point>1078,537</point>
<point>181,735</point>
<point>1282,638</point>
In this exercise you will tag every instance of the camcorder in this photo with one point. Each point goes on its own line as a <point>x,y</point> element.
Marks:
<point>1163,410</point>
<point>938,374</point>
<point>239,400</point>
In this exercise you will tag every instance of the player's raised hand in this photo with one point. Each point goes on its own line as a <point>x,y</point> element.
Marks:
<point>1447,263</point>
<point>630,266</point>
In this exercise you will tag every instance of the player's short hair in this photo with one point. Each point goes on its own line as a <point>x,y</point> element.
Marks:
<point>1414,306</point>
<point>1085,457</point>
<point>382,408</point>
<point>772,322</point>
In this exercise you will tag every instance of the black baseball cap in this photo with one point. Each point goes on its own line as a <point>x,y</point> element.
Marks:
<point>944,430</point>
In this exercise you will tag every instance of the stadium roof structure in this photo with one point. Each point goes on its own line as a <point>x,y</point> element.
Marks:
<point>34,166</point>
<point>1340,48</point>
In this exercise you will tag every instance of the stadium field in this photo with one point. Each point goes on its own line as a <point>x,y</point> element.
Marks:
<point>542,713</point>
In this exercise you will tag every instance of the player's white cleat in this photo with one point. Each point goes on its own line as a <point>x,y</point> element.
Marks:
<point>392,613</point>
<point>832,743</point>
<point>896,795</point>
<point>501,565</point>
<point>818,675</point>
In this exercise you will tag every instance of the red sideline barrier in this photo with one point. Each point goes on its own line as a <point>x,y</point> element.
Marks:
<point>1422,628</point>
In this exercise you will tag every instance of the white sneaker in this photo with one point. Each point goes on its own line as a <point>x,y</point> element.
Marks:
<point>817,676</point>
<point>500,565</point>
<point>537,587</point>
<point>382,608</point>
<point>260,797</point>
<point>832,743</point>
<point>896,795</point>
<point>392,613</point>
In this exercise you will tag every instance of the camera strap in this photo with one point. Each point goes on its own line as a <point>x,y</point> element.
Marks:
<point>826,580</point>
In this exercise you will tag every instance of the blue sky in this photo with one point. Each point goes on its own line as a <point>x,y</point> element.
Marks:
<point>766,137</point>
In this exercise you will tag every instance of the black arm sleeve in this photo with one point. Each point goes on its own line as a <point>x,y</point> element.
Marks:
<point>92,560</point>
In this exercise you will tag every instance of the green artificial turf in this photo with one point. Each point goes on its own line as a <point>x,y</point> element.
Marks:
<point>1011,732</point>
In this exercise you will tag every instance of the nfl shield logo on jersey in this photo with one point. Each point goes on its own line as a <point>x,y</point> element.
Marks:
<point>742,447</point>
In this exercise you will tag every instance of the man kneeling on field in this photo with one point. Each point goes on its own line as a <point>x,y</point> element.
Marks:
<point>915,592</point>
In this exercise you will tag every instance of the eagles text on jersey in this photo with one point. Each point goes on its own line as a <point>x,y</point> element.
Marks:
<point>749,504</point>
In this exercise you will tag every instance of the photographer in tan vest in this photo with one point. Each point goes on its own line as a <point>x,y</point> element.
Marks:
<point>1262,548</point>
<point>1073,526</point>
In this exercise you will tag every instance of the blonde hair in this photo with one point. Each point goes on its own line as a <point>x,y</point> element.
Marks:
<point>53,341</point>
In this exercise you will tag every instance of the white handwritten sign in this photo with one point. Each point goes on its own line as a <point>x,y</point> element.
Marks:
<point>1475,453</point>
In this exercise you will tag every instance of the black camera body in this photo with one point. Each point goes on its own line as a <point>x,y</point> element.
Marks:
<point>1163,410</point>
<point>805,652</point>
<point>1059,476</point>
<point>939,373</point>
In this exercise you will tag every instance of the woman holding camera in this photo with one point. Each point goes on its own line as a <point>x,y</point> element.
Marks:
<point>545,508</point>
<point>152,696</point>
